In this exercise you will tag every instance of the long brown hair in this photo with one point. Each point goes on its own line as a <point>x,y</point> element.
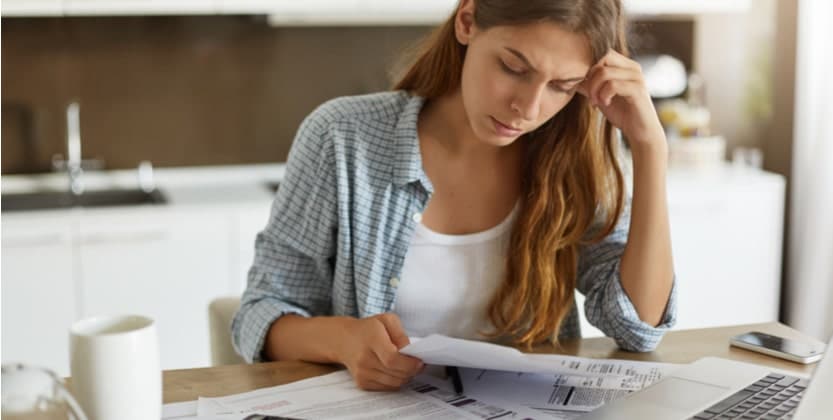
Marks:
<point>572,191</point>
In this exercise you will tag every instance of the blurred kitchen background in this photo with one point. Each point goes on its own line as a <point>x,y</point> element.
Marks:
<point>171,121</point>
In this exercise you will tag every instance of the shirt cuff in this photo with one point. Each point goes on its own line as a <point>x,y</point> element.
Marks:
<point>631,332</point>
<point>251,325</point>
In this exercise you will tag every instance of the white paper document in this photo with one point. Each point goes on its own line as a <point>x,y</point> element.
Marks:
<point>560,393</point>
<point>494,408</point>
<point>447,351</point>
<point>335,396</point>
<point>562,386</point>
<point>180,410</point>
<point>499,382</point>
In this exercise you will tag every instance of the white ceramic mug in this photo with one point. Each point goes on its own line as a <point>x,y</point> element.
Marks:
<point>115,367</point>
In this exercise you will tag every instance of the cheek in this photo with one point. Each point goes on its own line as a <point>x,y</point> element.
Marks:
<point>502,88</point>
<point>485,85</point>
<point>482,83</point>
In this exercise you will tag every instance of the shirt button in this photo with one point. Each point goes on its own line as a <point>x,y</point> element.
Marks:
<point>394,282</point>
<point>417,217</point>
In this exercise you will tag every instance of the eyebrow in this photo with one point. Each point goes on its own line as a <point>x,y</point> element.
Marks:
<point>526,61</point>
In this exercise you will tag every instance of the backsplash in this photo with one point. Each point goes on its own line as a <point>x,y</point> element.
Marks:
<point>196,90</point>
<point>178,91</point>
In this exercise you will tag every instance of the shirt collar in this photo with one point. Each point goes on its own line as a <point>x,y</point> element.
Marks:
<point>407,165</point>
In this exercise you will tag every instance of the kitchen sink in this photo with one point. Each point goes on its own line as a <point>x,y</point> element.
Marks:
<point>94,198</point>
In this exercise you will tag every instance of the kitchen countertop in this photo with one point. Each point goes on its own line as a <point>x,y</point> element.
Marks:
<point>183,186</point>
<point>242,185</point>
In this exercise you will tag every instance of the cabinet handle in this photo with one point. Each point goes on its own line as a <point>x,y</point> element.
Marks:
<point>103,238</point>
<point>39,240</point>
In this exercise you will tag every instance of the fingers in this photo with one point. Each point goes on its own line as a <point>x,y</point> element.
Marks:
<point>376,380</point>
<point>394,328</point>
<point>386,348</point>
<point>393,360</point>
<point>377,364</point>
<point>614,59</point>
<point>370,368</point>
<point>613,66</point>
<point>613,88</point>
<point>603,80</point>
<point>399,364</point>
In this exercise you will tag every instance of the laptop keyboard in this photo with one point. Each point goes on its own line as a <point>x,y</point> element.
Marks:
<point>773,397</point>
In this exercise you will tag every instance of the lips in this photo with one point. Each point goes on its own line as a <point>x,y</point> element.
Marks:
<point>505,130</point>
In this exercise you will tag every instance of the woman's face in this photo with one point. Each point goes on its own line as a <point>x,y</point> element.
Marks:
<point>515,78</point>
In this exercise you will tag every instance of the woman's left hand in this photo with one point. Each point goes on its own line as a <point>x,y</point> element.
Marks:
<point>616,86</point>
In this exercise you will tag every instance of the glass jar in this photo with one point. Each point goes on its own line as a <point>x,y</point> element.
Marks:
<point>33,393</point>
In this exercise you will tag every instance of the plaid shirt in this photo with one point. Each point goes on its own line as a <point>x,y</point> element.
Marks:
<point>343,218</point>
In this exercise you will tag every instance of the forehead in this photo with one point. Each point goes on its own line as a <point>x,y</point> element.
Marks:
<point>549,48</point>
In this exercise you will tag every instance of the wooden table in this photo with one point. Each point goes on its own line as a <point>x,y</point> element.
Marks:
<point>676,347</point>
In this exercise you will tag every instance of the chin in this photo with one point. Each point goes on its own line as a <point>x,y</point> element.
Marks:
<point>503,141</point>
<point>486,135</point>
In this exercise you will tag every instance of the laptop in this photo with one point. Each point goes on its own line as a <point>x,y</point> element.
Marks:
<point>715,388</point>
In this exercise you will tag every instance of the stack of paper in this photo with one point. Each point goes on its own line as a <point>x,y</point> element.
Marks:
<point>335,396</point>
<point>562,387</point>
<point>499,382</point>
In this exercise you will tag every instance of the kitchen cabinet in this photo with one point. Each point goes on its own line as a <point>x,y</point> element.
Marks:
<point>431,12</point>
<point>166,262</point>
<point>38,290</point>
<point>138,7</point>
<point>324,12</point>
<point>169,261</point>
<point>360,12</point>
<point>31,7</point>
<point>248,223</point>
<point>727,236</point>
<point>684,7</point>
<point>168,266</point>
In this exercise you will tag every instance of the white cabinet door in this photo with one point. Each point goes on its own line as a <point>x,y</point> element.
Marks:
<point>32,8</point>
<point>685,7</point>
<point>38,291</point>
<point>164,265</point>
<point>351,12</point>
<point>249,223</point>
<point>727,236</point>
<point>139,7</point>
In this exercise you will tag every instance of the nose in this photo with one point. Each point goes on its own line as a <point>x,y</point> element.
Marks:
<point>527,102</point>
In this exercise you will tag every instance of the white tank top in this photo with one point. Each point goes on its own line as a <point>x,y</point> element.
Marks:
<point>448,281</point>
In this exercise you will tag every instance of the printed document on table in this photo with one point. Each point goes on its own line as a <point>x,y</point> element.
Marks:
<point>180,410</point>
<point>613,379</point>
<point>333,396</point>
<point>493,408</point>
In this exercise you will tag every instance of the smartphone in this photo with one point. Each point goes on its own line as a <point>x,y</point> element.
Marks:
<point>785,348</point>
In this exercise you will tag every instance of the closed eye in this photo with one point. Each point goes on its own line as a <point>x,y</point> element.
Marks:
<point>510,70</point>
<point>563,89</point>
<point>555,86</point>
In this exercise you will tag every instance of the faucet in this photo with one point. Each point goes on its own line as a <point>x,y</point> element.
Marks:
<point>74,164</point>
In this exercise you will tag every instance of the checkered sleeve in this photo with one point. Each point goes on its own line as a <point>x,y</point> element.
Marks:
<point>607,306</point>
<point>292,270</point>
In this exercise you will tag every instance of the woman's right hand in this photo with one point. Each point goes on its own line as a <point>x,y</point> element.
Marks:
<point>371,353</point>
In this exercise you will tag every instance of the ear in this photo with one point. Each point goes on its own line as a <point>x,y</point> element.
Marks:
<point>464,22</point>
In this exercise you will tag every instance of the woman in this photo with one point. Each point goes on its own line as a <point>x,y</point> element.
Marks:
<point>472,201</point>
